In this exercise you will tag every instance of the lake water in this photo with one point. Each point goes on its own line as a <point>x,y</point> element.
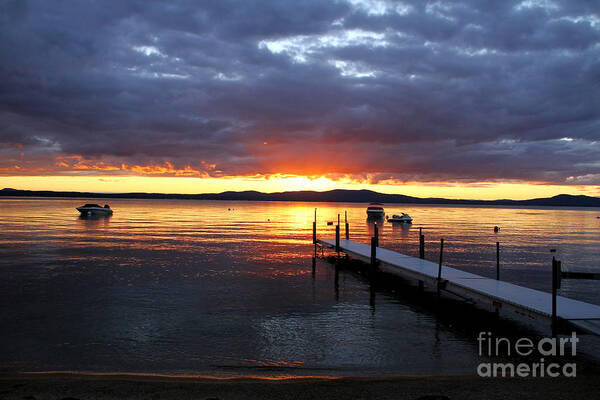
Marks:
<point>227,288</point>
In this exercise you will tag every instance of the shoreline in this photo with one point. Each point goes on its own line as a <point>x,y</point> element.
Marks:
<point>79,385</point>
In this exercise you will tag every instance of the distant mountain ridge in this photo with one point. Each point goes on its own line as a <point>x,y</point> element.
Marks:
<point>337,195</point>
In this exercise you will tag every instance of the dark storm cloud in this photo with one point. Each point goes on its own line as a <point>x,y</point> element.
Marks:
<point>378,90</point>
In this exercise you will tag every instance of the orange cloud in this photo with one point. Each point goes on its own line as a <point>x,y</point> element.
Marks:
<point>100,166</point>
<point>77,163</point>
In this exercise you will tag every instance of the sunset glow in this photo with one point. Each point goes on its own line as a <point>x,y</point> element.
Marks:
<point>127,184</point>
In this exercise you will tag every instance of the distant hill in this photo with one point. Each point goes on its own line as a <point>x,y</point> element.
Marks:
<point>339,195</point>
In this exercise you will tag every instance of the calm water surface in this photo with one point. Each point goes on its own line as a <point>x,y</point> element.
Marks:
<point>227,288</point>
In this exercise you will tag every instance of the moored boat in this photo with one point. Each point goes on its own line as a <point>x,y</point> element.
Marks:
<point>375,210</point>
<point>95,209</point>
<point>404,218</point>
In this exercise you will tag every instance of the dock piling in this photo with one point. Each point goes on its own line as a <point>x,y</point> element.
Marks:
<point>439,277</point>
<point>373,253</point>
<point>315,230</point>
<point>347,226</point>
<point>559,274</point>
<point>497,261</point>
<point>376,234</point>
<point>421,244</point>
<point>337,239</point>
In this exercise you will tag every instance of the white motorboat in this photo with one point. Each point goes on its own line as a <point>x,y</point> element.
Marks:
<point>95,209</point>
<point>404,218</point>
<point>374,210</point>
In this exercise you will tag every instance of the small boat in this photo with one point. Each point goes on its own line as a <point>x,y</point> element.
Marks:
<point>94,209</point>
<point>374,210</point>
<point>404,218</point>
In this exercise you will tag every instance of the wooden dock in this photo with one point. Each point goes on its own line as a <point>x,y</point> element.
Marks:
<point>499,295</point>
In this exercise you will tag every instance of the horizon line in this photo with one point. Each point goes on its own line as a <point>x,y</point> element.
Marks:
<point>6,190</point>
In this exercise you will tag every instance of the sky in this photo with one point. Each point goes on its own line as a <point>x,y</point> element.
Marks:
<point>461,99</point>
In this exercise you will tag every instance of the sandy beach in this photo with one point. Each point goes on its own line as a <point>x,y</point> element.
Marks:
<point>125,386</point>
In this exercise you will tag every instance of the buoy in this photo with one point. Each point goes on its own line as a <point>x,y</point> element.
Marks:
<point>496,229</point>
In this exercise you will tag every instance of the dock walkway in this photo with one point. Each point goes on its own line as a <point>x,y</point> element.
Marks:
<point>527,302</point>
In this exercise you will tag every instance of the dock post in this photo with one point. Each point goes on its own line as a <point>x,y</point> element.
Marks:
<point>373,254</point>
<point>315,229</point>
<point>376,234</point>
<point>421,244</point>
<point>337,238</point>
<point>497,261</point>
<point>554,285</point>
<point>439,277</point>
<point>347,226</point>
